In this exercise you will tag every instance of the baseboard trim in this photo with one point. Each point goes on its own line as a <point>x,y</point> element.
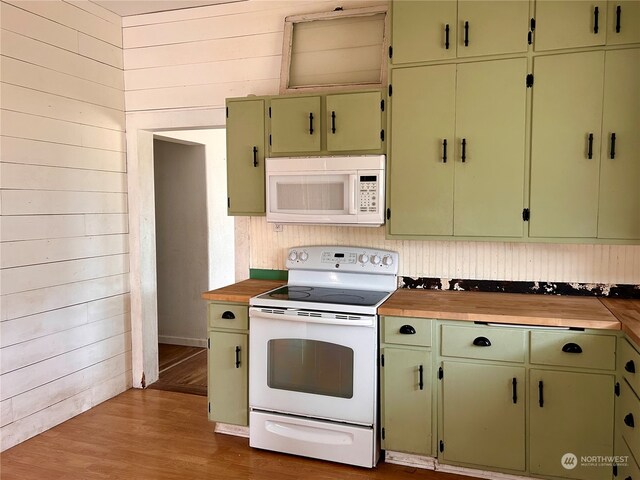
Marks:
<point>187,342</point>
<point>228,429</point>
<point>409,460</point>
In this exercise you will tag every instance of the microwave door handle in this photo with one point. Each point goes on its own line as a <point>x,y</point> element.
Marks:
<point>353,179</point>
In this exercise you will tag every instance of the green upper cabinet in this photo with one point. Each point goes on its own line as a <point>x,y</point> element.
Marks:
<point>441,30</point>
<point>458,149</point>
<point>565,152</point>
<point>245,156</point>
<point>623,22</point>
<point>568,24</point>
<point>619,206</point>
<point>354,121</point>
<point>295,124</point>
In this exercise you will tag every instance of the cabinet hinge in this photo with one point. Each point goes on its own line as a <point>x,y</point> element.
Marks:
<point>209,407</point>
<point>383,433</point>
<point>529,80</point>
<point>269,112</point>
<point>227,112</point>
<point>228,202</point>
<point>529,37</point>
<point>441,446</point>
<point>208,339</point>
<point>390,90</point>
<point>532,24</point>
<point>382,360</point>
<point>269,139</point>
<point>388,214</point>
<point>526,214</point>
<point>390,51</point>
<point>616,389</point>
<point>382,105</point>
<point>614,467</point>
<point>440,373</point>
<point>382,135</point>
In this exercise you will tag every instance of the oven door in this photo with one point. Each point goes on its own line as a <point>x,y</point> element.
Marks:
<point>312,366</point>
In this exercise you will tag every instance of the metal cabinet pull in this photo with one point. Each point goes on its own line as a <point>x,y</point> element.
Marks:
<point>446,36</point>
<point>572,348</point>
<point>466,34</point>
<point>630,366</point>
<point>421,379</point>
<point>310,123</point>
<point>444,151</point>
<point>464,150</point>
<point>514,386</point>
<point>618,15</point>
<point>333,122</point>
<point>255,156</point>
<point>540,394</point>
<point>228,315</point>
<point>237,356</point>
<point>628,420</point>
<point>590,147</point>
<point>612,153</point>
<point>596,16</point>
<point>407,330</point>
<point>482,342</point>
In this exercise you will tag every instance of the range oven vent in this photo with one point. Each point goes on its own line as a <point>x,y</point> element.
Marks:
<point>348,317</point>
<point>309,314</point>
<point>272,310</point>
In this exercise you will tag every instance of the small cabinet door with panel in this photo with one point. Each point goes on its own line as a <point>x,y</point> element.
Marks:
<point>623,22</point>
<point>295,124</point>
<point>354,122</point>
<point>568,24</point>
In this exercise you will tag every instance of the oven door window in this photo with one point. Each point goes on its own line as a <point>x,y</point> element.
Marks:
<point>310,366</point>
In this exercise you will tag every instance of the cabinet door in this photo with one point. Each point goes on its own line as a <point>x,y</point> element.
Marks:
<point>354,121</point>
<point>421,176</point>
<point>483,420</point>
<point>570,414</point>
<point>490,119</point>
<point>245,157</point>
<point>423,30</point>
<point>567,112</point>
<point>295,124</point>
<point>619,212</point>
<point>492,27</point>
<point>567,24</point>
<point>623,22</point>
<point>228,378</point>
<point>406,406</point>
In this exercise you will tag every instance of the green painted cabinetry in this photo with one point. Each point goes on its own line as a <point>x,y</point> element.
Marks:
<point>568,24</point>
<point>627,420</point>
<point>623,22</point>
<point>295,124</point>
<point>455,170</point>
<point>245,156</point>
<point>354,121</point>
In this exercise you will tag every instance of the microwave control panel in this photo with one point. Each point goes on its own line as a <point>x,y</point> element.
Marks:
<point>368,194</point>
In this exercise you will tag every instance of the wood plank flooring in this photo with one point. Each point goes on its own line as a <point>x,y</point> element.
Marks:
<point>182,369</point>
<point>160,435</point>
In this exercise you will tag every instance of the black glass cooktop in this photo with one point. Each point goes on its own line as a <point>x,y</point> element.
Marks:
<point>336,296</point>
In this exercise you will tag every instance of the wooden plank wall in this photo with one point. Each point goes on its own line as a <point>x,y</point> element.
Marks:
<point>65,327</point>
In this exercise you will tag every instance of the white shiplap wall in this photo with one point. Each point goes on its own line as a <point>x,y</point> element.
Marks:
<point>65,328</point>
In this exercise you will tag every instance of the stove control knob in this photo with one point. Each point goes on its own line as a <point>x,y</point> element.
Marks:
<point>387,260</point>
<point>375,260</point>
<point>303,256</point>
<point>364,258</point>
<point>293,255</point>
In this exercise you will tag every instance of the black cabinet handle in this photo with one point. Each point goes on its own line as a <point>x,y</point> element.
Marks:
<point>421,379</point>
<point>514,386</point>
<point>590,147</point>
<point>464,150</point>
<point>466,34</point>
<point>618,15</point>
<point>482,342</point>
<point>444,151</point>
<point>237,356</point>
<point>310,123</point>
<point>630,366</point>
<point>541,394</point>
<point>446,36</point>
<point>255,156</point>
<point>572,348</point>
<point>228,315</point>
<point>596,16</point>
<point>628,420</point>
<point>612,153</point>
<point>407,330</point>
<point>333,122</point>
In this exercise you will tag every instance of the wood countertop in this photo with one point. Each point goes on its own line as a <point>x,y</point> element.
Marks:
<point>242,291</point>
<point>513,308</point>
<point>628,312</point>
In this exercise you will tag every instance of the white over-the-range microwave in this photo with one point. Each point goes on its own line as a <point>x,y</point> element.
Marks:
<point>347,190</point>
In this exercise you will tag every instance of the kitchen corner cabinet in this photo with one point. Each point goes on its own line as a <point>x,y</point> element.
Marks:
<point>441,30</point>
<point>245,156</point>
<point>584,162</point>
<point>455,170</point>
<point>228,368</point>
<point>627,422</point>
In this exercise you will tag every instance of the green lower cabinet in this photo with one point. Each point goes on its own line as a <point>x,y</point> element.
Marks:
<point>627,466</point>
<point>228,377</point>
<point>483,415</point>
<point>570,421</point>
<point>406,400</point>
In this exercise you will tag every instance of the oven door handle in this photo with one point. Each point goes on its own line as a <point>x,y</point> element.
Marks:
<point>364,321</point>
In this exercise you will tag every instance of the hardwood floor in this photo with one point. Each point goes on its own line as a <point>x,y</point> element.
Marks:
<point>182,369</point>
<point>155,434</point>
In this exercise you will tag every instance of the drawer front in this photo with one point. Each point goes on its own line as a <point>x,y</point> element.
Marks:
<point>628,417</point>
<point>572,349</point>
<point>229,315</point>
<point>483,343</point>
<point>407,331</point>
<point>629,364</point>
<point>628,468</point>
